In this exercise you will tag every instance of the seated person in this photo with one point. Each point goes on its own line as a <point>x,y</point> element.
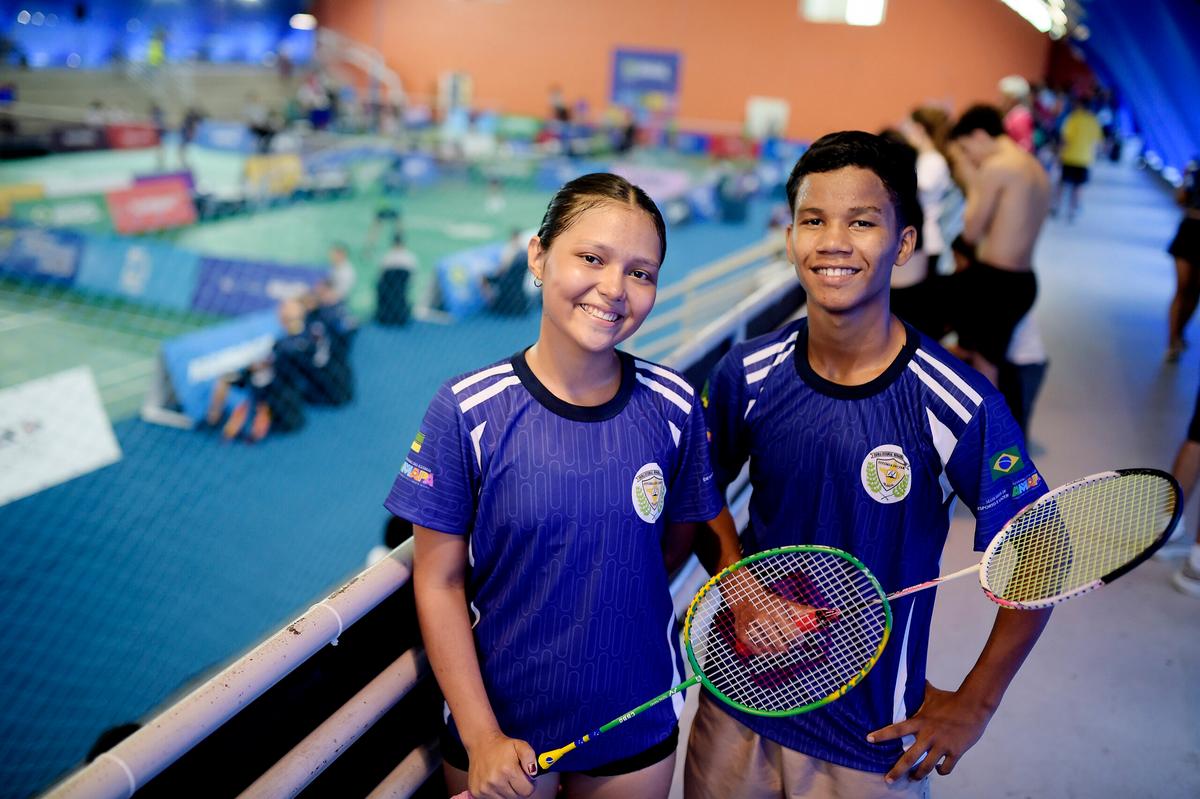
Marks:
<point>273,385</point>
<point>323,357</point>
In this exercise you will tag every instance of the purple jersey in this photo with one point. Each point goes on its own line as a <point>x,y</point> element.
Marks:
<point>564,508</point>
<point>873,470</point>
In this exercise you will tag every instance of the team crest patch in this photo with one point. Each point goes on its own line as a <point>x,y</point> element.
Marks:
<point>887,474</point>
<point>1005,463</point>
<point>649,492</point>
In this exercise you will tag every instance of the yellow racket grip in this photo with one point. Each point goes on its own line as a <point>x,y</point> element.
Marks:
<point>547,759</point>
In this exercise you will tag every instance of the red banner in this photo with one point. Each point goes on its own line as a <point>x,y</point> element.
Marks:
<point>131,136</point>
<point>725,146</point>
<point>152,206</point>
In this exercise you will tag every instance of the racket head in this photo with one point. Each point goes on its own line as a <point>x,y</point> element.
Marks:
<point>1080,536</point>
<point>825,661</point>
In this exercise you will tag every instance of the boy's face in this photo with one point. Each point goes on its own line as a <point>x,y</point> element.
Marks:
<point>844,240</point>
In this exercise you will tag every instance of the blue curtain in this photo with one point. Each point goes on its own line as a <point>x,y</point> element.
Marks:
<point>1149,51</point>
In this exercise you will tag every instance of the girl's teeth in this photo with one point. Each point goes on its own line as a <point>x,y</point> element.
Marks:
<point>608,317</point>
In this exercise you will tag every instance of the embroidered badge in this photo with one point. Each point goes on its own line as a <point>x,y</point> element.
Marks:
<point>649,493</point>
<point>886,474</point>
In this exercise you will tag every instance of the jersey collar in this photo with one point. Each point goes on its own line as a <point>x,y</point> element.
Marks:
<point>577,413</point>
<point>869,389</point>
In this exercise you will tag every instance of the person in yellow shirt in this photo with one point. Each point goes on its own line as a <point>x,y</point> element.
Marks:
<point>1080,135</point>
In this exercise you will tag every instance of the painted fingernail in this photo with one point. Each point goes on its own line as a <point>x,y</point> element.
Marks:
<point>870,739</point>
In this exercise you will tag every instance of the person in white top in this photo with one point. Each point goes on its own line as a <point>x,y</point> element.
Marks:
<point>341,272</point>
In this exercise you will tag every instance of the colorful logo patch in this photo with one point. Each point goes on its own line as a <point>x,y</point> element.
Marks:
<point>1005,462</point>
<point>417,474</point>
<point>417,442</point>
<point>704,395</point>
<point>886,474</point>
<point>1021,486</point>
<point>649,493</point>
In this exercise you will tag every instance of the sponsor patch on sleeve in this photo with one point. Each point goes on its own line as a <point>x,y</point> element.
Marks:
<point>418,441</point>
<point>1021,486</point>
<point>418,474</point>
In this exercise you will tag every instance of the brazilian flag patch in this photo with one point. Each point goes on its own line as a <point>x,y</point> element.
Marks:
<point>1005,463</point>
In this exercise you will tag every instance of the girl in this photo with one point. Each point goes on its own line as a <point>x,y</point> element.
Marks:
<point>543,490</point>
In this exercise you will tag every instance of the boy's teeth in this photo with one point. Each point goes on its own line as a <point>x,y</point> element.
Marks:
<point>833,271</point>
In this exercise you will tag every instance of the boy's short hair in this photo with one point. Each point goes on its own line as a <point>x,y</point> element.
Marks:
<point>978,117</point>
<point>890,162</point>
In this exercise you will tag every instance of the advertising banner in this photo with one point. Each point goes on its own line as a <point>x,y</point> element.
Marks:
<point>19,192</point>
<point>225,136</point>
<point>145,272</point>
<point>273,175</point>
<point>78,137</point>
<point>231,288</point>
<point>52,429</point>
<point>152,206</point>
<point>646,80</point>
<point>131,136</point>
<point>88,212</point>
<point>460,274</point>
<point>51,256</point>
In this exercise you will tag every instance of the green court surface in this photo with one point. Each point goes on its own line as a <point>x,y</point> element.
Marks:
<point>45,330</point>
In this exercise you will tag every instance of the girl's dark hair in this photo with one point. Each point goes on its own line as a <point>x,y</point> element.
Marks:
<point>893,163</point>
<point>934,121</point>
<point>589,191</point>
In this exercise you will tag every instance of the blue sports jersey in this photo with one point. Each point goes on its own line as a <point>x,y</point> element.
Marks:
<point>873,470</point>
<point>564,507</point>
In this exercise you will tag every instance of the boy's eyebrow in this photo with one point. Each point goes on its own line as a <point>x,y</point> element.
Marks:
<point>858,209</point>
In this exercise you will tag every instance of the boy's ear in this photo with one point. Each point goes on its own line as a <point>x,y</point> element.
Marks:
<point>908,245</point>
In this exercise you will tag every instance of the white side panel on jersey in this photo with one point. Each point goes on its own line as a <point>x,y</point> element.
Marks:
<point>945,442</point>
<point>899,711</point>
<point>675,432</point>
<point>677,701</point>
<point>477,434</point>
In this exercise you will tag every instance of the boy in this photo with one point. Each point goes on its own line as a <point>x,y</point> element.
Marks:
<point>860,433</point>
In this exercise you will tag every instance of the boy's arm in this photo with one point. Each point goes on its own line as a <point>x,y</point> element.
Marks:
<point>983,195</point>
<point>949,723</point>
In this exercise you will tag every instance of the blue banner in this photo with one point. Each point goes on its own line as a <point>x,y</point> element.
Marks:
<point>144,272</point>
<point>646,79</point>
<point>232,288</point>
<point>194,361</point>
<point>217,135</point>
<point>50,256</point>
<point>460,274</point>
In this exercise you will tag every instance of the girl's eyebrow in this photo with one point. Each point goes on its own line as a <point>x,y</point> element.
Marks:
<point>599,245</point>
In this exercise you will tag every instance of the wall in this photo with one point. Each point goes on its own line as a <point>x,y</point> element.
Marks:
<point>834,76</point>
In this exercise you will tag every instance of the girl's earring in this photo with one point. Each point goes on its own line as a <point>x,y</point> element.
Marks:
<point>537,281</point>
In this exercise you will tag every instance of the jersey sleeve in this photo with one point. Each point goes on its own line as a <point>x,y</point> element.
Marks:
<point>724,400</point>
<point>991,470</point>
<point>693,497</point>
<point>438,483</point>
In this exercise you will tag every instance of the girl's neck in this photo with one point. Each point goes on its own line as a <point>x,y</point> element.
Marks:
<point>574,375</point>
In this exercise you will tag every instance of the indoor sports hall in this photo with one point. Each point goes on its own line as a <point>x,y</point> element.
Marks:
<point>243,244</point>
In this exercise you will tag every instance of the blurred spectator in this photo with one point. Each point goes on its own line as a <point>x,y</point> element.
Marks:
<point>156,49</point>
<point>95,116</point>
<point>922,131</point>
<point>1081,136</point>
<point>387,224</point>
<point>494,201</point>
<point>395,276</point>
<point>188,129</point>
<point>1023,372</point>
<point>158,119</point>
<point>1018,118</point>
<point>504,289</point>
<point>559,111</point>
<point>275,401</point>
<point>258,120</point>
<point>1185,248</point>
<point>322,358</point>
<point>342,274</point>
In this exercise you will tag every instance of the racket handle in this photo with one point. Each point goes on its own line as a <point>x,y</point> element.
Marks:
<point>547,759</point>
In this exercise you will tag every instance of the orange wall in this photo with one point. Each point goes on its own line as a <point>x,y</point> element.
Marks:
<point>834,76</point>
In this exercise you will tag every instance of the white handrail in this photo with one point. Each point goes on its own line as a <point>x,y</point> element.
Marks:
<point>164,739</point>
<point>412,772</point>
<point>307,759</point>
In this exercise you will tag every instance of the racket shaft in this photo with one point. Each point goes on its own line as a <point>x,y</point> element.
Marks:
<point>935,581</point>
<point>547,759</point>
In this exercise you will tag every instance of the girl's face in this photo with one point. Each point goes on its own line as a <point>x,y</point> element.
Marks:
<point>600,276</point>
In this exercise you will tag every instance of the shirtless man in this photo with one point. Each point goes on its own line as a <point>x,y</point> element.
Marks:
<point>1008,197</point>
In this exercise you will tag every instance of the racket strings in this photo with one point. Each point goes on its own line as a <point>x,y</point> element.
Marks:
<point>801,646</point>
<point>1070,540</point>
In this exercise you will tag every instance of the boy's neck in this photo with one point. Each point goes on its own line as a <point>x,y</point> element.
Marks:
<point>853,349</point>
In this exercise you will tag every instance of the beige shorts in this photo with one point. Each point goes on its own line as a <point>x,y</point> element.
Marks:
<point>727,760</point>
